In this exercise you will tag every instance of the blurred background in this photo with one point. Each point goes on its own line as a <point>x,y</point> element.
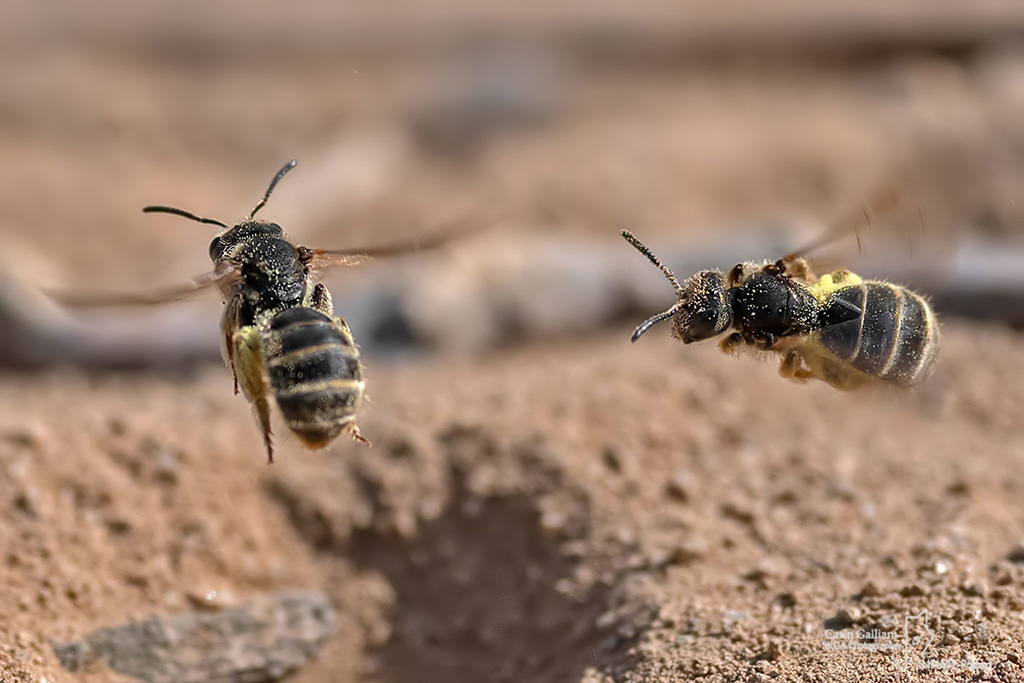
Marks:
<point>714,131</point>
<point>564,121</point>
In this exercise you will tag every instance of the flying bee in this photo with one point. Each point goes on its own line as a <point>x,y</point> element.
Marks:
<point>839,328</point>
<point>279,332</point>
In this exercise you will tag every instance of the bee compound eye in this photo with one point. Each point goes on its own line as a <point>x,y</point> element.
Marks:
<point>216,248</point>
<point>703,325</point>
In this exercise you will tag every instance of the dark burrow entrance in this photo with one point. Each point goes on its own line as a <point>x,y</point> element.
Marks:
<point>476,599</point>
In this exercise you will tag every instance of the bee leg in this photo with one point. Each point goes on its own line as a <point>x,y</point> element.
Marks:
<point>321,300</point>
<point>792,368</point>
<point>354,431</point>
<point>229,324</point>
<point>229,354</point>
<point>735,275</point>
<point>249,354</point>
<point>797,267</point>
<point>350,341</point>
<point>731,343</point>
<point>766,340</point>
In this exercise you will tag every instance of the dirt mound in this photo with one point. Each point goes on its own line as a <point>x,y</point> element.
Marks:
<point>596,511</point>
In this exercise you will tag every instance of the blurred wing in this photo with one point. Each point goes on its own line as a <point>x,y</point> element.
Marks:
<point>223,274</point>
<point>855,220</point>
<point>896,239</point>
<point>318,259</point>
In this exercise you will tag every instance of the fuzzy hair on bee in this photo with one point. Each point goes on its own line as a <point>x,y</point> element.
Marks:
<point>280,335</point>
<point>839,328</point>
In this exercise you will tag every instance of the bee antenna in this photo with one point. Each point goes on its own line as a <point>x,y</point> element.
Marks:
<point>184,214</point>
<point>653,320</point>
<point>273,183</point>
<point>661,266</point>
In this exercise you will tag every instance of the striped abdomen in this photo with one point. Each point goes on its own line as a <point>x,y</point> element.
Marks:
<point>881,329</point>
<point>315,374</point>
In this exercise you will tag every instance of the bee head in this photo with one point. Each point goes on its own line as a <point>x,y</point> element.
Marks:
<point>703,309</point>
<point>243,231</point>
<point>246,228</point>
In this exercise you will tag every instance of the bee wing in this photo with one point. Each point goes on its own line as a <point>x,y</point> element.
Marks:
<point>854,220</point>
<point>319,259</point>
<point>910,241</point>
<point>224,273</point>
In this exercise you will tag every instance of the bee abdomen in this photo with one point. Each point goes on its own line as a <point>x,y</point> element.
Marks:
<point>317,414</point>
<point>315,373</point>
<point>882,330</point>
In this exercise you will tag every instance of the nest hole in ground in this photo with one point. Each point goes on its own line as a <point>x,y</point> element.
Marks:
<point>476,599</point>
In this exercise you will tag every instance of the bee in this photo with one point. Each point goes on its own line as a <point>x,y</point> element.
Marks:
<point>840,328</point>
<point>280,336</point>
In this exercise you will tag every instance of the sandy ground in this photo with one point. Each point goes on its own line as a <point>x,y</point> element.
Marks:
<point>587,508</point>
<point>562,509</point>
